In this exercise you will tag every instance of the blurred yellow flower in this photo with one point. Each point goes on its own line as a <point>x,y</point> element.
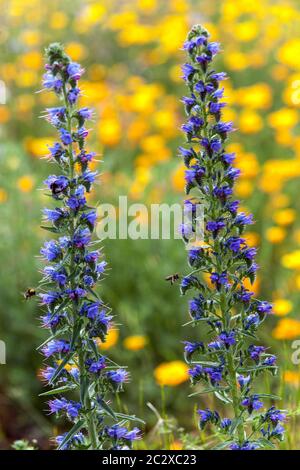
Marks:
<point>111,339</point>
<point>284,117</point>
<point>284,216</point>
<point>109,130</point>
<point>245,31</point>
<point>247,163</point>
<point>291,377</point>
<point>75,50</point>
<point>171,373</point>
<point>287,328</point>
<point>3,195</point>
<point>38,147</point>
<point>275,234</point>
<point>178,178</point>
<point>244,188</point>
<point>250,122</point>
<point>32,60</point>
<point>176,445</point>
<point>58,20</point>
<point>258,96</point>
<point>282,307</point>
<point>288,53</point>
<point>4,114</point>
<point>135,342</point>
<point>25,183</point>
<point>291,260</point>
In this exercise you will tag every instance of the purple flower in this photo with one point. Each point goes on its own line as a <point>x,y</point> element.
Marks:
<point>252,403</point>
<point>235,243</point>
<point>96,366</point>
<point>118,376</point>
<point>51,82</point>
<point>264,307</point>
<point>56,150</point>
<point>251,321</point>
<point>85,113</point>
<point>81,238</point>
<point>65,136</point>
<point>208,416</point>
<point>73,95</point>
<point>255,352</point>
<point>54,215</point>
<point>270,361</point>
<point>245,446</point>
<point>74,71</point>
<point>188,71</point>
<point>57,184</point>
<point>243,381</point>
<point>227,338</point>
<point>56,347</point>
<point>89,217</point>
<point>51,250</point>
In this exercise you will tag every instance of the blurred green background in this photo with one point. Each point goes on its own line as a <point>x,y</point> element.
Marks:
<point>131,52</point>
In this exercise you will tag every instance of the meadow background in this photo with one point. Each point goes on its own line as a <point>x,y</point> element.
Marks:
<point>131,52</point>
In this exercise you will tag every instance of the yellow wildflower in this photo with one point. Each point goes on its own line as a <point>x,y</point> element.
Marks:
<point>250,122</point>
<point>135,342</point>
<point>25,183</point>
<point>287,328</point>
<point>291,260</point>
<point>3,195</point>
<point>285,216</point>
<point>284,117</point>
<point>275,234</point>
<point>282,307</point>
<point>292,377</point>
<point>171,373</point>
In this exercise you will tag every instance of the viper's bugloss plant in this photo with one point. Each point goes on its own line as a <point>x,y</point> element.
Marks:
<point>226,359</point>
<point>75,315</point>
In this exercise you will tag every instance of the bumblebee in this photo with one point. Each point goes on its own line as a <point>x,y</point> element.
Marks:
<point>172,278</point>
<point>29,293</point>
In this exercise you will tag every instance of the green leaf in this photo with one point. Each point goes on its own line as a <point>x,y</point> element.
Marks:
<point>84,386</point>
<point>208,390</point>
<point>223,445</point>
<point>65,388</point>
<point>223,397</point>
<point>263,442</point>
<point>50,229</point>
<point>129,417</point>
<point>58,333</point>
<point>107,408</point>
<point>77,426</point>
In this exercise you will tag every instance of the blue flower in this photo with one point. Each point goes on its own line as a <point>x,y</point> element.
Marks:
<point>51,82</point>
<point>118,376</point>
<point>74,71</point>
<point>96,366</point>
<point>65,136</point>
<point>51,250</point>
<point>243,380</point>
<point>188,71</point>
<point>252,403</point>
<point>56,347</point>
<point>255,352</point>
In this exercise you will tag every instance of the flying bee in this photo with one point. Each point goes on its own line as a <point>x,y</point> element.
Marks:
<point>30,292</point>
<point>172,278</point>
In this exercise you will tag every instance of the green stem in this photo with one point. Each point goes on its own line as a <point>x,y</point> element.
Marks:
<point>84,391</point>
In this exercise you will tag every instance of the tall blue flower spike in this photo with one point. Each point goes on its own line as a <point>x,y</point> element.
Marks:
<point>76,317</point>
<point>225,360</point>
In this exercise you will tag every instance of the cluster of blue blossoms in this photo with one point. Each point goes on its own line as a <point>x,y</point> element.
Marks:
<point>75,315</point>
<point>229,361</point>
